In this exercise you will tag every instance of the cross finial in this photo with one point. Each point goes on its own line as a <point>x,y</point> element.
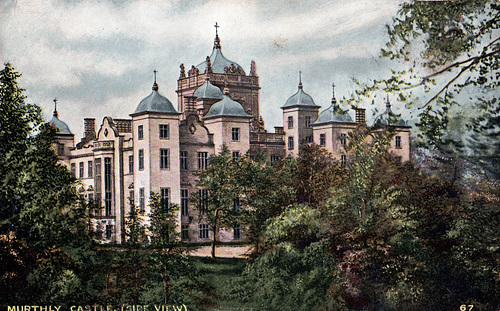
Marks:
<point>55,108</point>
<point>216,30</point>
<point>333,87</point>
<point>300,79</point>
<point>388,103</point>
<point>155,86</point>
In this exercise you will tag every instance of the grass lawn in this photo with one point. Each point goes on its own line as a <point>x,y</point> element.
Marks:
<point>218,274</point>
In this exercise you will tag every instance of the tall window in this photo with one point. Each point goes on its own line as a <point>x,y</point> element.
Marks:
<point>73,169</point>
<point>164,131</point>
<point>235,134</point>
<point>80,170</point>
<point>141,159</point>
<point>343,139</point>
<point>60,149</point>
<point>343,160</point>
<point>203,231</point>
<point>275,158</point>
<point>109,231</point>
<point>322,139</point>
<point>290,143</point>
<point>131,164</point>
<point>184,202</point>
<point>398,142</point>
<point>108,186</point>
<point>131,196</point>
<point>97,181</point>
<point>90,169</point>
<point>308,121</point>
<point>202,160</point>
<point>237,232</point>
<point>309,139</point>
<point>290,122</point>
<point>140,132</point>
<point>184,160</point>
<point>185,232</point>
<point>236,156</point>
<point>165,196</point>
<point>164,158</point>
<point>203,200</point>
<point>142,200</point>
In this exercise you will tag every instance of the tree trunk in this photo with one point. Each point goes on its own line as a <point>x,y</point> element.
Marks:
<point>214,241</point>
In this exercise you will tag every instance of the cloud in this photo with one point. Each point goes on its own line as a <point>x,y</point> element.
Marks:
<point>100,53</point>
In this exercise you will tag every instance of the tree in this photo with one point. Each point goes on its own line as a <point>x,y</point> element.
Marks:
<point>446,60</point>
<point>265,190</point>
<point>164,238</point>
<point>218,207</point>
<point>43,231</point>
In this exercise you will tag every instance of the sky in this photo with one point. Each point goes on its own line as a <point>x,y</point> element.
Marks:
<point>97,56</point>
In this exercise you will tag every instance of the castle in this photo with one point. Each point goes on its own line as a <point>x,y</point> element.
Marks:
<point>162,149</point>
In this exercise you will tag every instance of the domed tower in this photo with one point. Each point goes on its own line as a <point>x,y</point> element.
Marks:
<point>400,145</point>
<point>155,131</point>
<point>299,112</point>
<point>222,72</point>
<point>230,124</point>
<point>65,138</point>
<point>205,96</point>
<point>332,128</point>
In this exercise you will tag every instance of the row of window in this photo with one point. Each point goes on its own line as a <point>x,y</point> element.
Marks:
<point>165,160</point>
<point>204,232</point>
<point>343,140</point>
<point>81,169</point>
<point>164,132</point>
<point>307,122</point>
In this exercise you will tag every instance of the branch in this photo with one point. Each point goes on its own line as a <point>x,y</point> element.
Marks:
<point>462,62</point>
<point>464,69</point>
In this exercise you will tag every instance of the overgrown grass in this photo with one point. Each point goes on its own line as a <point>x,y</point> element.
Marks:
<point>219,274</point>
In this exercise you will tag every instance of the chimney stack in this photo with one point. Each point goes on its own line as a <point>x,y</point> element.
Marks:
<point>89,133</point>
<point>361,115</point>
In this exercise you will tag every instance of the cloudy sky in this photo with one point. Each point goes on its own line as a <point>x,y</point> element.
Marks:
<point>97,56</point>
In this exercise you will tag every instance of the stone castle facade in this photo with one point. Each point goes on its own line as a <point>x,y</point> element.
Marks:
<point>162,148</point>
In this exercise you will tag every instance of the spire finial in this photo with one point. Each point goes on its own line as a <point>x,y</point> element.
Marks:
<point>217,39</point>
<point>300,79</point>
<point>216,29</point>
<point>56,114</point>
<point>388,103</point>
<point>155,86</point>
<point>334,100</point>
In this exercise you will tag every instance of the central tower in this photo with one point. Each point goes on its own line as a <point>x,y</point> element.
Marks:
<point>222,73</point>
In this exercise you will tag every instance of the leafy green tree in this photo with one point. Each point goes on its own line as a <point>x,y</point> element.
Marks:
<point>447,60</point>
<point>41,216</point>
<point>218,208</point>
<point>265,190</point>
<point>164,238</point>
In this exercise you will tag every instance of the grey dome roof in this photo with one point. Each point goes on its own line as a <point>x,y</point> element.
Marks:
<point>389,118</point>
<point>227,108</point>
<point>59,125</point>
<point>333,114</point>
<point>218,60</point>
<point>208,90</point>
<point>155,102</point>
<point>300,98</point>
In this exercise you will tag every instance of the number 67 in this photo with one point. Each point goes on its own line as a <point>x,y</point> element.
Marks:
<point>466,307</point>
